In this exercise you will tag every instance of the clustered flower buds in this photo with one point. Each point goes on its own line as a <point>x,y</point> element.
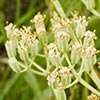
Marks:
<point>54,54</point>
<point>20,42</point>
<point>71,42</point>
<point>40,28</point>
<point>93,97</point>
<point>59,78</point>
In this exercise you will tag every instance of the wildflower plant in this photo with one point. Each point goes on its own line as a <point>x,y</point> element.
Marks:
<point>72,42</point>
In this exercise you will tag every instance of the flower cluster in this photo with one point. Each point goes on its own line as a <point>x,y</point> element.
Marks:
<point>72,44</point>
<point>59,78</point>
<point>54,54</point>
<point>20,42</point>
<point>60,30</point>
<point>40,28</point>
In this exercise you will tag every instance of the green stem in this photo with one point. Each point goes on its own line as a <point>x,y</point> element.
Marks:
<point>46,57</point>
<point>82,67</point>
<point>59,8</point>
<point>32,70</point>
<point>70,65</point>
<point>77,76</point>
<point>41,55</point>
<point>60,94</point>
<point>89,87</point>
<point>37,66</point>
<point>37,72</point>
<point>73,83</point>
<point>85,91</point>
<point>95,78</point>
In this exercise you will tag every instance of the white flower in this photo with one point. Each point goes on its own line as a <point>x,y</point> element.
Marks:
<point>12,31</point>
<point>89,38</point>
<point>26,29</point>
<point>60,78</point>
<point>90,35</point>
<point>76,47</point>
<point>51,46</point>
<point>61,34</point>
<point>23,51</point>
<point>81,21</point>
<point>90,51</point>
<point>81,24</point>
<point>53,51</point>
<point>64,71</point>
<point>38,18</point>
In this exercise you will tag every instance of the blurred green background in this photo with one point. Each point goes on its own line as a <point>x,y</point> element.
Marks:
<point>27,86</point>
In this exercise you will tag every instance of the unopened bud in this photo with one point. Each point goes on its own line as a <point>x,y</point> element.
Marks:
<point>11,48</point>
<point>14,64</point>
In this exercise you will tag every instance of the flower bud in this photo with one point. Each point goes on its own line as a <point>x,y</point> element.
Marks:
<point>81,24</point>
<point>12,31</point>
<point>11,48</point>
<point>23,53</point>
<point>40,29</point>
<point>54,54</point>
<point>89,38</point>
<point>89,62</point>
<point>62,39</point>
<point>59,79</point>
<point>14,64</point>
<point>74,57</point>
<point>33,48</point>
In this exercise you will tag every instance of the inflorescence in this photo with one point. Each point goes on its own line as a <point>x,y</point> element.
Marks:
<point>72,42</point>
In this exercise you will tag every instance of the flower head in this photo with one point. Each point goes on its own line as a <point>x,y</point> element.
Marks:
<point>60,78</point>
<point>53,51</point>
<point>93,97</point>
<point>12,31</point>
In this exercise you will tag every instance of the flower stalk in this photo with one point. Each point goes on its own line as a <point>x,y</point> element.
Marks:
<point>60,94</point>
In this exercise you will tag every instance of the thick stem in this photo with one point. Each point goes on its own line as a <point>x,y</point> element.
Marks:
<point>60,94</point>
<point>95,78</point>
<point>85,91</point>
<point>89,87</point>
